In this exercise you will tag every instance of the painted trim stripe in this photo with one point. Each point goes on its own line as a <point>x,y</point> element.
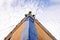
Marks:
<point>32,30</point>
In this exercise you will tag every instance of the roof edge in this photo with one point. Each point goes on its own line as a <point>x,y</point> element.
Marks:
<point>45,29</point>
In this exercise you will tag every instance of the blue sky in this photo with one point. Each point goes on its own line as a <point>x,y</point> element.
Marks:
<point>13,11</point>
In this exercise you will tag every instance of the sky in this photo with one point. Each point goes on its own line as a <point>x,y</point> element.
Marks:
<point>47,12</point>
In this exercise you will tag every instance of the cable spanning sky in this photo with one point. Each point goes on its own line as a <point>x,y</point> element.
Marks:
<point>13,11</point>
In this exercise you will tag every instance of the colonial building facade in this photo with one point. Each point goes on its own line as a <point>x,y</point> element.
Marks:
<point>30,29</point>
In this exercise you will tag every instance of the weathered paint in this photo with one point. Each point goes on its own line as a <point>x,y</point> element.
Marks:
<point>17,34</point>
<point>32,30</point>
<point>42,35</point>
<point>25,31</point>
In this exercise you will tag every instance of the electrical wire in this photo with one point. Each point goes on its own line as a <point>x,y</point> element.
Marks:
<point>36,11</point>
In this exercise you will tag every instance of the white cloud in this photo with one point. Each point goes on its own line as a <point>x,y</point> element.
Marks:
<point>55,0</point>
<point>50,18</point>
<point>11,16</point>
